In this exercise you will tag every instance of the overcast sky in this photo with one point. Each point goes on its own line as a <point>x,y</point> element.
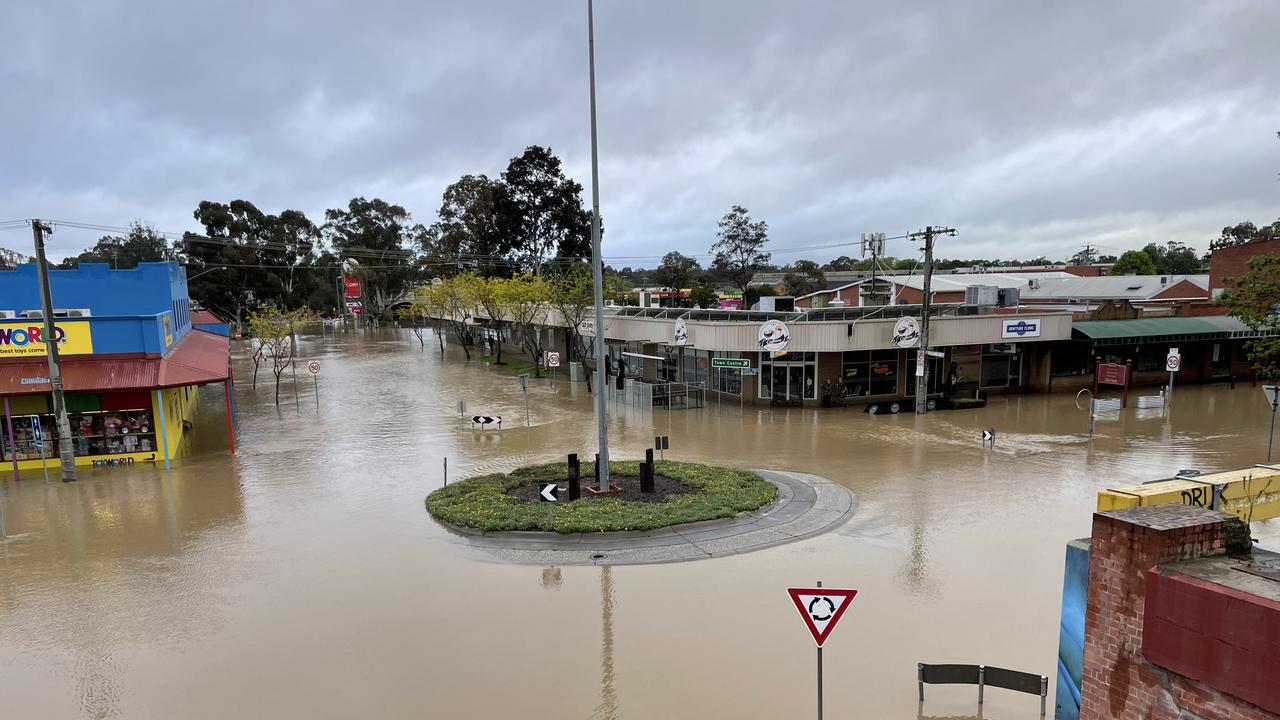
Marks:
<point>1031,127</point>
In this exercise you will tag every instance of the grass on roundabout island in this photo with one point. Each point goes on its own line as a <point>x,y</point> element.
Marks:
<point>483,502</point>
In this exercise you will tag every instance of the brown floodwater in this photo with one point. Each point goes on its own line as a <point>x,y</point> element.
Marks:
<point>302,578</point>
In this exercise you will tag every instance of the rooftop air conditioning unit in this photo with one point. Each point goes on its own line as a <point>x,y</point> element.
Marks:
<point>981,295</point>
<point>32,314</point>
<point>1008,297</point>
<point>74,312</point>
<point>8,314</point>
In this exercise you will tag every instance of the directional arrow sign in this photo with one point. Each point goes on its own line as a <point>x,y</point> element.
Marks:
<point>989,435</point>
<point>549,492</point>
<point>821,608</point>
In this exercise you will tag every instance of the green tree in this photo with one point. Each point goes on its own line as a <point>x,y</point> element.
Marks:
<point>907,264</point>
<point>843,263</point>
<point>1134,262</point>
<point>677,271</point>
<point>226,267</point>
<point>141,244</point>
<point>275,330</point>
<point>476,226</point>
<point>571,294</point>
<point>1174,258</point>
<point>546,211</point>
<point>1245,232</point>
<point>492,295</point>
<point>528,299</point>
<point>804,277</point>
<point>1253,297</point>
<point>739,247</point>
<point>376,239</point>
<point>703,295</point>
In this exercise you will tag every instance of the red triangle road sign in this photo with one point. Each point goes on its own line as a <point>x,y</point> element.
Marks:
<point>821,608</point>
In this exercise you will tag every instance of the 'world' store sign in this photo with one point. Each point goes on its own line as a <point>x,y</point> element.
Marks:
<point>23,338</point>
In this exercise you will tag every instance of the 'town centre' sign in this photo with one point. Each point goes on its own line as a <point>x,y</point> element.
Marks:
<point>26,338</point>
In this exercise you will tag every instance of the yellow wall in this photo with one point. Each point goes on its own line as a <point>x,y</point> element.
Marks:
<point>1250,493</point>
<point>179,405</point>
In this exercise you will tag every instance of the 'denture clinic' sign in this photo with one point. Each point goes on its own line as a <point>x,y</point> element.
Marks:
<point>26,338</point>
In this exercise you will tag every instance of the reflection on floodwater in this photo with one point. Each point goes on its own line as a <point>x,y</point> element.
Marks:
<point>302,578</point>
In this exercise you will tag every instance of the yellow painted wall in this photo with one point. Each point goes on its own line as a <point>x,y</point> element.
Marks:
<point>179,405</point>
<point>1249,493</point>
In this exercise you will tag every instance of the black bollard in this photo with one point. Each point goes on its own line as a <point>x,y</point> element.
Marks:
<point>646,472</point>
<point>575,489</point>
<point>574,469</point>
<point>597,470</point>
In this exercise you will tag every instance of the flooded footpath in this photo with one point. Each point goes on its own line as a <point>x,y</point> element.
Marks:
<point>303,578</point>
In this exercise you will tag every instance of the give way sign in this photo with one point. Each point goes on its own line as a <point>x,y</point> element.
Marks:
<point>821,608</point>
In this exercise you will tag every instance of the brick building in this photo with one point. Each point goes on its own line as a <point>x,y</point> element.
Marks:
<point>1229,262</point>
<point>1182,619</point>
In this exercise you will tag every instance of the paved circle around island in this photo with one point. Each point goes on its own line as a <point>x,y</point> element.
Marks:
<point>807,505</point>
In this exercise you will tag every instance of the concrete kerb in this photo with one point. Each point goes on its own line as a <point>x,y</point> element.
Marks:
<point>807,505</point>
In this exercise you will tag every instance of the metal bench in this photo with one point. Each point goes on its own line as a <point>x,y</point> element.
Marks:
<point>982,676</point>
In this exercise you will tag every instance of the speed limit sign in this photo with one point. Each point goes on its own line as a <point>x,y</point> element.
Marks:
<point>1173,361</point>
<point>314,367</point>
<point>553,359</point>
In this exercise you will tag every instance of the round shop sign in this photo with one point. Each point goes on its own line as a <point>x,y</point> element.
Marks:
<point>682,333</point>
<point>774,336</point>
<point>906,333</point>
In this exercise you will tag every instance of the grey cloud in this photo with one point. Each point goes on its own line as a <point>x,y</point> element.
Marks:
<point>1032,126</point>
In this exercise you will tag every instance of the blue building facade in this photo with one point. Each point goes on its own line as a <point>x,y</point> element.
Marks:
<point>131,364</point>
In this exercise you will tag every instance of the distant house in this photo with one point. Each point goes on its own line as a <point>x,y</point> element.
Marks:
<point>1085,294</point>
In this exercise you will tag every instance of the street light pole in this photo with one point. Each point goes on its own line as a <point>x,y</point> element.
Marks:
<point>65,451</point>
<point>597,262</point>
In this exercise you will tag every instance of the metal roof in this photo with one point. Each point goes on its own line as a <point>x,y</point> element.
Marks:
<point>1117,287</point>
<point>958,282</point>
<point>1215,327</point>
<point>199,358</point>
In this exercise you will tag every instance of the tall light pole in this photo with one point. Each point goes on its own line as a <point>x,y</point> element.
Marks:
<point>597,262</point>
<point>65,452</point>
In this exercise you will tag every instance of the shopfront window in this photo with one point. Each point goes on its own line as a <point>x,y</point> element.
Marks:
<point>789,378</point>
<point>870,372</point>
<point>97,432</point>
<point>727,380</point>
<point>936,380</point>
<point>696,366</point>
<point>1001,367</point>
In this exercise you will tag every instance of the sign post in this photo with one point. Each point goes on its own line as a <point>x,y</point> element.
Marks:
<point>37,433</point>
<point>821,608</point>
<point>549,493</point>
<point>553,362</point>
<point>1172,363</point>
<point>314,367</point>
<point>1273,399</point>
<point>524,385</point>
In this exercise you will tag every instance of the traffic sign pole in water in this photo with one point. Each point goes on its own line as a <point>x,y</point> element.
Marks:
<point>597,262</point>
<point>819,674</point>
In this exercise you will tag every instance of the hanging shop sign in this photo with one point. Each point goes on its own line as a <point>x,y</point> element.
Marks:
<point>350,286</point>
<point>773,336</point>
<point>906,333</point>
<point>1020,328</point>
<point>26,338</point>
<point>682,333</point>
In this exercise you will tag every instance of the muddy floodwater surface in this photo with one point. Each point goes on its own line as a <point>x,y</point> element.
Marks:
<point>303,578</point>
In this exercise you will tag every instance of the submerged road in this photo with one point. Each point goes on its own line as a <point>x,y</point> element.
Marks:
<point>303,578</point>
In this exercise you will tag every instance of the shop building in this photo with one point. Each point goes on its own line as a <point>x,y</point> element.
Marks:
<point>806,358</point>
<point>132,365</point>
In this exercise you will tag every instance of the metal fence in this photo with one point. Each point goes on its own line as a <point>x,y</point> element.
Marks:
<point>983,676</point>
<point>663,395</point>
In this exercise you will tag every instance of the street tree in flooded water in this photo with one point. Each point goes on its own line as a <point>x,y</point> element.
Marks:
<point>426,306</point>
<point>570,294</point>
<point>528,298</point>
<point>491,295</point>
<point>452,300</point>
<point>275,330</point>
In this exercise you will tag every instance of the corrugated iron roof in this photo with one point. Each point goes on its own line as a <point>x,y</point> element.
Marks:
<point>199,358</point>
<point>1208,327</point>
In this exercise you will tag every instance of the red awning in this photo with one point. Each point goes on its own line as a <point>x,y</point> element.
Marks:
<point>199,358</point>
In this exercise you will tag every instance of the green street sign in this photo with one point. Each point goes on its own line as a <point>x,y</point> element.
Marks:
<point>730,363</point>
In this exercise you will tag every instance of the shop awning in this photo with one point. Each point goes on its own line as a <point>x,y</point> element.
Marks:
<point>1215,327</point>
<point>199,358</point>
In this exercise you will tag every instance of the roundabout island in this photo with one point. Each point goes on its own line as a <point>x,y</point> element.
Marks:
<point>688,511</point>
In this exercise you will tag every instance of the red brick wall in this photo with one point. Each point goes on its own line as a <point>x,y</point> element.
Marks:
<point>1215,635</point>
<point>1181,290</point>
<point>1232,262</point>
<point>1119,681</point>
<point>911,296</point>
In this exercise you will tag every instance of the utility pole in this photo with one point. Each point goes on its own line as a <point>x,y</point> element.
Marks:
<point>597,262</point>
<point>65,452</point>
<point>922,356</point>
